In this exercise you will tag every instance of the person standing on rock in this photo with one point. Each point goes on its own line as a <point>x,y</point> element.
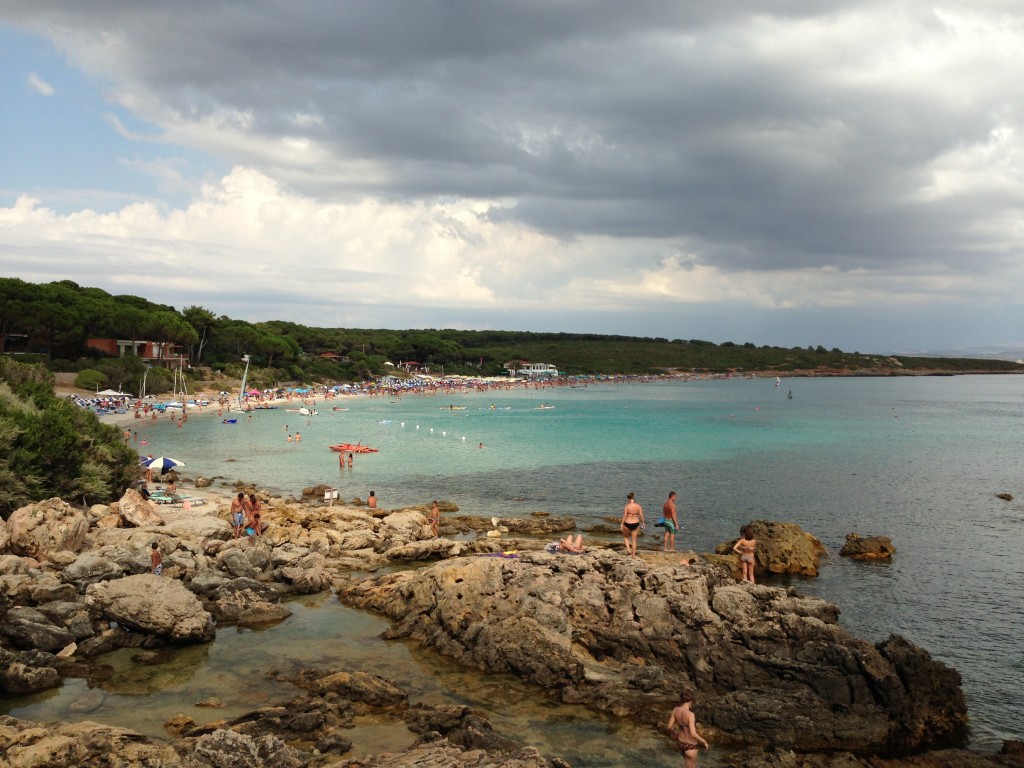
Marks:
<point>435,519</point>
<point>745,547</point>
<point>238,513</point>
<point>156,560</point>
<point>668,512</point>
<point>632,521</point>
<point>682,724</point>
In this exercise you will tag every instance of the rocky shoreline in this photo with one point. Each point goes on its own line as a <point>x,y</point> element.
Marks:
<point>779,682</point>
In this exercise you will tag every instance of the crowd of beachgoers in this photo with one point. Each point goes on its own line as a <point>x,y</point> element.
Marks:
<point>110,403</point>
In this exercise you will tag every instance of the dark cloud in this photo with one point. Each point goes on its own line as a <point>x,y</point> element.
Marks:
<point>757,136</point>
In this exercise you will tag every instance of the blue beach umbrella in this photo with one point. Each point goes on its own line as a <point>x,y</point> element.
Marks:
<point>162,463</point>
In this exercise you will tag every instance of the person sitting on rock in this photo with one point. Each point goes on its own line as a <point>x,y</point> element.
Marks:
<point>572,545</point>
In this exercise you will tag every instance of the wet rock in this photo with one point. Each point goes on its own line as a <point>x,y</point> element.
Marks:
<point>203,482</point>
<point>246,608</point>
<point>354,686</point>
<point>758,757</point>
<point>26,673</point>
<point>305,580</point>
<point>333,743</point>
<point>867,548</point>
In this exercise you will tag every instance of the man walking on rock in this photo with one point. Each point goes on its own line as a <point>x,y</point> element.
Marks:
<point>668,512</point>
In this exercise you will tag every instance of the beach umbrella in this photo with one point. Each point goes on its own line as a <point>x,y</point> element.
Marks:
<point>163,463</point>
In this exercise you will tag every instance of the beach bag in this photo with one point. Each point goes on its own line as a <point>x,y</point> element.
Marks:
<point>660,523</point>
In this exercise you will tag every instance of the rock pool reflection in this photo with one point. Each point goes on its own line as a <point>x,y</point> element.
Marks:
<point>142,690</point>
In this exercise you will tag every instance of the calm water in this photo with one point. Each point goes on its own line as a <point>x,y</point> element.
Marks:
<point>917,459</point>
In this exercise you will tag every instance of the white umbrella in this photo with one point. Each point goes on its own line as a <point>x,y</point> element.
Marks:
<point>163,463</point>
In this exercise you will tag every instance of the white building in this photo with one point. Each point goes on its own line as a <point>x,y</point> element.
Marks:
<point>533,370</point>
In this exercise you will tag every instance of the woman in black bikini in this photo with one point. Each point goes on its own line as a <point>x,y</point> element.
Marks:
<point>632,521</point>
<point>683,726</point>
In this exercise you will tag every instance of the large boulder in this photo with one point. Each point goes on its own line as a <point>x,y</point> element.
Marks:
<point>625,636</point>
<point>199,528</point>
<point>136,511</point>
<point>781,548</point>
<point>36,530</point>
<point>154,605</point>
<point>5,536</point>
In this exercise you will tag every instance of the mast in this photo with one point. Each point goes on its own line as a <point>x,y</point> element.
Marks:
<point>241,392</point>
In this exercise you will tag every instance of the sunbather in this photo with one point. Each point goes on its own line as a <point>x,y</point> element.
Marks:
<point>572,545</point>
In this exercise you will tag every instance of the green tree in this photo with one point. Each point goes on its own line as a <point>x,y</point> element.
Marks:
<point>90,379</point>
<point>203,322</point>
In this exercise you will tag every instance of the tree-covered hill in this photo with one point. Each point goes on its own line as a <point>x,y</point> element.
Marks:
<point>51,322</point>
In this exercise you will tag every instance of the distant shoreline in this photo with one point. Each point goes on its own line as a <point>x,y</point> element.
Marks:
<point>122,419</point>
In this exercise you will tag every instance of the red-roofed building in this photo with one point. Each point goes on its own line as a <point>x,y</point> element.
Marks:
<point>164,354</point>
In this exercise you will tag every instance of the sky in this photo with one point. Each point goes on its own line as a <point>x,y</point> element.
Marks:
<point>848,173</point>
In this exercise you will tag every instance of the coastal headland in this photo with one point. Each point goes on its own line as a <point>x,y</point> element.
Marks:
<point>778,681</point>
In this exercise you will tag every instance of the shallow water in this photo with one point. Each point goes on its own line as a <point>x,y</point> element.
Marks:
<point>322,632</point>
<point>917,459</point>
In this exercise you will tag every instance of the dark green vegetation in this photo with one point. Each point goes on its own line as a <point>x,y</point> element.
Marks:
<point>53,321</point>
<point>51,447</point>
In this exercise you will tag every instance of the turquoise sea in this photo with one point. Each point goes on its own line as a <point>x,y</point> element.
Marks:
<point>917,459</point>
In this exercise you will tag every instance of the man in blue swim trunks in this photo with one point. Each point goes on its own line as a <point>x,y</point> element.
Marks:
<point>671,523</point>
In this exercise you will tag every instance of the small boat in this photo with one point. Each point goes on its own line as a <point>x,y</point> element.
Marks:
<point>544,407</point>
<point>336,408</point>
<point>229,421</point>
<point>304,411</point>
<point>453,408</point>
<point>353,448</point>
<point>778,382</point>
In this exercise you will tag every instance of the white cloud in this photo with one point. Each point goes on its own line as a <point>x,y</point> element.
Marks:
<point>40,86</point>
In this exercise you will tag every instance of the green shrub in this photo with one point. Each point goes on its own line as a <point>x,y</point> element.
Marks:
<point>90,379</point>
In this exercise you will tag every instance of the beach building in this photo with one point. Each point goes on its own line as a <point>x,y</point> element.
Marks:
<point>530,370</point>
<point>157,353</point>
